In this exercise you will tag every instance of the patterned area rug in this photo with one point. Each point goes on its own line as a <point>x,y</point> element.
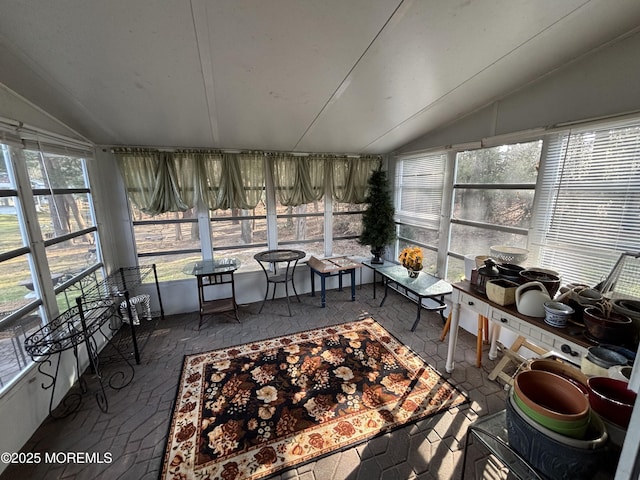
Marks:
<point>252,410</point>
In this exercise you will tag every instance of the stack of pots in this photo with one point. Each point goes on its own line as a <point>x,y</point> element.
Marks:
<point>551,424</point>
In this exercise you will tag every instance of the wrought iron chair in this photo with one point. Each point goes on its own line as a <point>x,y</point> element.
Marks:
<point>279,267</point>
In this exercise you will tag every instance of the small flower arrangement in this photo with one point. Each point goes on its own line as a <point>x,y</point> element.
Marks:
<point>411,258</point>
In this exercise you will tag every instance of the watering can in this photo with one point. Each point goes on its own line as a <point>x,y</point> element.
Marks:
<point>530,298</point>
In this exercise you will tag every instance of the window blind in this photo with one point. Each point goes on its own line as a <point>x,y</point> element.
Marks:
<point>588,207</point>
<point>419,185</point>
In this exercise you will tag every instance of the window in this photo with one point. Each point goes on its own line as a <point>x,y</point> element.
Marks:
<point>249,201</point>
<point>169,240</point>
<point>49,244</point>
<point>20,303</point>
<point>493,195</point>
<point>63,205</point>
<point>301,227</point>
<point>419,183</point>
<point>347,227</point>
<point>240,233</point>
<point>588,210</point>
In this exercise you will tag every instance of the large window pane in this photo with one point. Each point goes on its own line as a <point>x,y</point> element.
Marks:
<point>167,232</point>
<point>17,287</point>
<point>72,255</point>
<point>499,207</point>
<point>419,235</point>
<point>346,229</point>
<point>504,164</point>
<point>475,240</point>
<point>302,227</point>
<point>10,235</point>
<point>240,234</point>
<point>237,228</point>
<point>62,214</point>
<point>493,198</point>
<point>13,358</point>
<point>60,193</point>
<point>588,206</point>
<point>169,267</point>
<point>54,171</point>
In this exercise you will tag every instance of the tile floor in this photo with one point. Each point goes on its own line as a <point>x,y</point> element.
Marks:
<point>134,429</point>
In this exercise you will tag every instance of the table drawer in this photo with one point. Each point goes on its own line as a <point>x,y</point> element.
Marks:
<point>536,335</point>
<point>470,302</point>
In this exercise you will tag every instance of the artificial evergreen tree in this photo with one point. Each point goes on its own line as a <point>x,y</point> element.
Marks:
<point>378,226</point>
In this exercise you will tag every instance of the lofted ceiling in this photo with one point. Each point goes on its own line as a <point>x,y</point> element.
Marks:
<point>348,76</point>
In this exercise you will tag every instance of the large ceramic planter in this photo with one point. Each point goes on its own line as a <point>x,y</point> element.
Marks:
<point>613,328</point>
<point>553,454</point>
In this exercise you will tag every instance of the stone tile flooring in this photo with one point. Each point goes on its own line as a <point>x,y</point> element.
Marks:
<point>134,429</point>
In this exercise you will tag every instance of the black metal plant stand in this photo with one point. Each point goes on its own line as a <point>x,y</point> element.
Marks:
<point>74,329</point>
<point>78,327</point>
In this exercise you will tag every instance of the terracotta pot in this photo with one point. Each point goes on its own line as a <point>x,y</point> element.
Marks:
<point>551,396</point>
<point>612,399</point>
<point>615,328</point>
<point>573,374</point>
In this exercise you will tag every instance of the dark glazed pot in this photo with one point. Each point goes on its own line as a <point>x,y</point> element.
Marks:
<point>612,399</point>
<point>614,329</point>
<point>549,278</point>
<point>511,271</point>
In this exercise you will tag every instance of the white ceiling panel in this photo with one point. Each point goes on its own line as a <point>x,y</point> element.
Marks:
<point>343,76</point>
<point>273,73</point>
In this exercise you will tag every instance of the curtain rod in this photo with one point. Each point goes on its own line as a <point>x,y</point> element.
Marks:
<point>114,148</point>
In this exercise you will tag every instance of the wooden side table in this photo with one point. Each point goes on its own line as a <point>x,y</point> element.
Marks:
<point>330,267</point>
<point>215,274</point>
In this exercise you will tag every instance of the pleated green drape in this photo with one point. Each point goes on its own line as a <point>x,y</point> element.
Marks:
<point>152,181</point>
<point>159,182</point>
<point>298,179</point>
<point>349,178</point>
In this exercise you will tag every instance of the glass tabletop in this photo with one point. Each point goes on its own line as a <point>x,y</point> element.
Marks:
<point>273,256</point>
<point>211,267</point>
<point>491,431</point>
<point>424,284</point>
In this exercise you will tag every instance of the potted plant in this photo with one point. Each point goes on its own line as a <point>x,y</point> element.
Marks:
<point>411,258</point>
<point>378,226</point>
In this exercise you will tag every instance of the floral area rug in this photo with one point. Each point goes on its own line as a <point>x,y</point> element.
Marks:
<point>249,411</point>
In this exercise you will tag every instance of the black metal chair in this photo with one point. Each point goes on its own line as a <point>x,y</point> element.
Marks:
<point>279,267</point>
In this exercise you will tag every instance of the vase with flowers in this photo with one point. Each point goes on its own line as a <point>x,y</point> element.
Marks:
<point>411,259</point>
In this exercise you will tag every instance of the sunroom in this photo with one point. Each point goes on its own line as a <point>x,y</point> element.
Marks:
<point>137,135</point>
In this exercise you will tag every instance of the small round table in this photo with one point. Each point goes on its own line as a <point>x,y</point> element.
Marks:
<point>272,258</point>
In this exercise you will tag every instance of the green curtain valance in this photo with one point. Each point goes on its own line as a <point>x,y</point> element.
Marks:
<point>159,182</point>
